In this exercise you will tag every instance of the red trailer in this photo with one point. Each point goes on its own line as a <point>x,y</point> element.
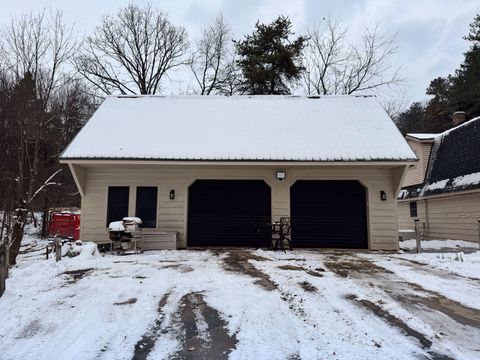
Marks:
<point>64,223</point>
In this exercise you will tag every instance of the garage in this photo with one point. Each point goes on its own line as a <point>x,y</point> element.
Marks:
<point>225,212</point>
<point>328,214</point>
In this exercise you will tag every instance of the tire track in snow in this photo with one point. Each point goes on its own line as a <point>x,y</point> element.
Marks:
<point>146,344</point>
<point>451,322</point>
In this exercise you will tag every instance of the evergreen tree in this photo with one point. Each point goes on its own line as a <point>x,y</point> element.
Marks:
<point>268,60</point>
<point>465,84</point>
<point>438,109</point>
<point>412,120</point>
<point>459,91</point>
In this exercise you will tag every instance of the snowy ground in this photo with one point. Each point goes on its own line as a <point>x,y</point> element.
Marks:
<point>242,304</point>
<point>437,245</point>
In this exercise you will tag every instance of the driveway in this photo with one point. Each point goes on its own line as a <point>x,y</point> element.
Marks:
<point>239,304</point>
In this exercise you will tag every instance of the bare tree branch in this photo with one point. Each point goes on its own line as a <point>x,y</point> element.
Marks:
<point>47,182</point>
<point>334,67</point>
<point>132,51</point>
<point>210,56</point>
<point>41,45</point>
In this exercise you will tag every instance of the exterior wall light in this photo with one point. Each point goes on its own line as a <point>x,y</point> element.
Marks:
<point>281,174</point>
<point>172,194</point>
<point>383,195</point>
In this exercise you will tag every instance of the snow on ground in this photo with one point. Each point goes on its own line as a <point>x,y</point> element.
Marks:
<point>335,327</point>
<point>460,289</point>
<point>467,265</point>
<point>100,306</point>
<point>439,244</point>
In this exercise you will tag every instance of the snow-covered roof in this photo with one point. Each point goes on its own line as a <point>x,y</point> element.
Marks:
<point>276,128</point>
<point>422,136</point>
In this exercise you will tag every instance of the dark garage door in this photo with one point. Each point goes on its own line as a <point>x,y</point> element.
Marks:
<point>328,214</point>
<point>223,212</point>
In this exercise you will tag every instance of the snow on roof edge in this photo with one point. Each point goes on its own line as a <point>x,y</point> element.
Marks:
<point>347,160</point>
<point>105,111</point>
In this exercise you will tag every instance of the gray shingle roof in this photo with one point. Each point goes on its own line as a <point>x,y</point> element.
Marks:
<point>454,163</point>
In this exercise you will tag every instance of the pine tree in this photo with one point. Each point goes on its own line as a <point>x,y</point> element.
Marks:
<point>412,120</point>
<point>465,84</point>
<point>268,60</point>
<point>459,91</point>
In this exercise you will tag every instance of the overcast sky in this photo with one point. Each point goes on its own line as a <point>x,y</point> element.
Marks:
<point>429,31</point>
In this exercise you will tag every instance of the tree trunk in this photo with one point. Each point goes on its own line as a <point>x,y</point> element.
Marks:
<point>45,223</point>
<point>34,219</point>
<point>17,236</point>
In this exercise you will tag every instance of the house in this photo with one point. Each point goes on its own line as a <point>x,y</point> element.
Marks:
<point>442,190</point>
<point>209,167</point>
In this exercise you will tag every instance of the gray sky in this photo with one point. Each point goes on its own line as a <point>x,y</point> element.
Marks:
<point>429,31</point>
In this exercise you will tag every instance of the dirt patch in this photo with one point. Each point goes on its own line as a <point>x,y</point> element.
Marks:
<point>172,266</point>
<point>30,330</point>
<point>238,261</point>
<point>305,285</point>
<point>179,267</point>
<point>295,303</point>
<point>185,269</point>
<point>75,275</point>
<point>299,268</point>
<point>342,266</point>
<point>146,344</point>
<point>458,312</point>
<point>222,251</point>
<point>205,332</point>
<point>291,259</point>
<point>126,302</point>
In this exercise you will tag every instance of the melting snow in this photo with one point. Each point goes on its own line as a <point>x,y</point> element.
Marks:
<point>51,313</point>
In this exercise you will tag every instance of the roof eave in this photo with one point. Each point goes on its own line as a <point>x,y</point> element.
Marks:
<point>141,161</point>
<point>429,140</point>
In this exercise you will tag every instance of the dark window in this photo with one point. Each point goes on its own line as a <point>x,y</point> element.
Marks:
<point>146,208</point>
<point>413,209</point>
<point>117,206</point>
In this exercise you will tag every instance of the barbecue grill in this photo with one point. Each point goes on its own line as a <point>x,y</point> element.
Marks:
<point>126,235</point>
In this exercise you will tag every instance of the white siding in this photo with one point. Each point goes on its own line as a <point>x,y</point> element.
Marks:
<point>382,222</point>
<point>416,173</point>
<point>448,217</point>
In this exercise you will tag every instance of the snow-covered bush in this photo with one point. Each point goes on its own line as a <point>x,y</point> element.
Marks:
<point>80,249</point>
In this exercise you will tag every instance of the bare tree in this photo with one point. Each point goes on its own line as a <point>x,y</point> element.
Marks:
<point>334,67</point>
<point>230,78</point>
<point>41,45</point>
<point>325,55</point>
<point>132,51</point>
<point>397,103</point>
<point>38,49</point>
<point>209,60</point>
